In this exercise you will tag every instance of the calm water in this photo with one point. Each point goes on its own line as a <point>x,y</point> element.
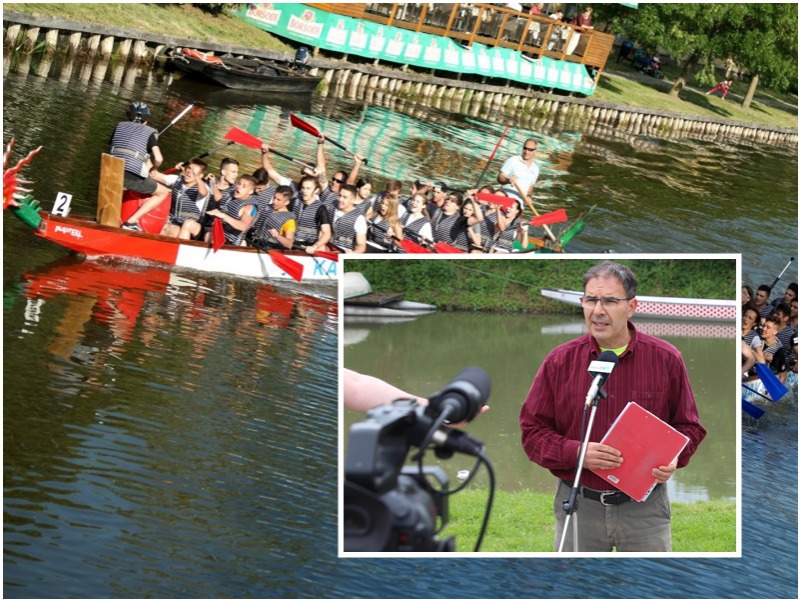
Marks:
<point>192,453</point>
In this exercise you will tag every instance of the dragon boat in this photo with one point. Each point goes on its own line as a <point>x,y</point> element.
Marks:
<point>102,238</point>
<point>663,307</point>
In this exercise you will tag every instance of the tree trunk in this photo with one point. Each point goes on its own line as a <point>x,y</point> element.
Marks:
<point>748,97</point>
<point>688,69</point>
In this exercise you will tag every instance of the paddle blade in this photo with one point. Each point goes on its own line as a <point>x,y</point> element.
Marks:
<point>557,216</point>
<point>290,266</point>
<point>217,235</point>
<point>443,248</point>
<point>302,125</point>
<point>503,201</point>
<point>242,137</point>
<point>752,410</point>
<point>774,386</point>
<point>329,255</point>
<point>413,248</point>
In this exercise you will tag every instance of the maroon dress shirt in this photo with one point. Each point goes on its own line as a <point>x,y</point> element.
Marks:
<point>650,372</point>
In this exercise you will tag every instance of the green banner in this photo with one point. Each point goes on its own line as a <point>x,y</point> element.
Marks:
<point>393,44</point>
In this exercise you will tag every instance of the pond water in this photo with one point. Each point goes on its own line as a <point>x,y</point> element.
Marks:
<point>191,451</point>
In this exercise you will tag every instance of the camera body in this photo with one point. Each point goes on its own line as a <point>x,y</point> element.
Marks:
<point>389,507</point>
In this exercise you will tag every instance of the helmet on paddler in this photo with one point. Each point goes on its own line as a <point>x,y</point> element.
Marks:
<point>138,111</point>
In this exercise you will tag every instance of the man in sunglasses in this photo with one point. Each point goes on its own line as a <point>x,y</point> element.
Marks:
<point>329,190</point>
<point>651,373</point>
<point>519,173</point>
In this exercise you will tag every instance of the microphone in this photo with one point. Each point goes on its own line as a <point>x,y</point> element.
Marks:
<point>601,369</point>
<point>462,398</point>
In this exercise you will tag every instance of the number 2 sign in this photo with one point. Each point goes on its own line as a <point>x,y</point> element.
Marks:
<point>62,204</point>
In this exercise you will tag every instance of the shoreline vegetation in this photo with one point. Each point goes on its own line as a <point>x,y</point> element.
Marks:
<point>515,285</point>
<point>619,84</point>
<point>524,522</point>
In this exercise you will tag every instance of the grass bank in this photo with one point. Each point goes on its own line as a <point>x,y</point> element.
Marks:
<point>524,522</point>
<point>625,86</point>
<point>188,21</point>
<point>515,285</point>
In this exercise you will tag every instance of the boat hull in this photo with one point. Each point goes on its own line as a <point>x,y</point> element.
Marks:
<point>240,74</point>
<point>657,307</point>
<point>95,241</point>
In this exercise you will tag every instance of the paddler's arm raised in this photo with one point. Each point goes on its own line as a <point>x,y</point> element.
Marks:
<point>353,177</point>
<point>273,174</point>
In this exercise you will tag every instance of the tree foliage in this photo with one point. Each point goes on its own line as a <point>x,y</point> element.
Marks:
<point>762,38</point>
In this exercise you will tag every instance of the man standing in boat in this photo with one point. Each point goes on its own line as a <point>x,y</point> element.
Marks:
<point>136,143</point>
<point>650,372</point>
<point>519,173</point>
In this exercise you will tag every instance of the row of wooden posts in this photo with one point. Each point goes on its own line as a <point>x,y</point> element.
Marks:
<point>458,96</point>
<point>485,100</point>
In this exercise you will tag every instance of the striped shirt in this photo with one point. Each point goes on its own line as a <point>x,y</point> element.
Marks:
<point>650,372</point>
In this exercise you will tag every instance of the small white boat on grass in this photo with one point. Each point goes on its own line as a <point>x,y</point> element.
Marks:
<point>361,301</point>
<point>663,307</point>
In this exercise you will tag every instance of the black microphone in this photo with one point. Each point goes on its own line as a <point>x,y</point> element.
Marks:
<point>601,369</point>
<point>462,398</point>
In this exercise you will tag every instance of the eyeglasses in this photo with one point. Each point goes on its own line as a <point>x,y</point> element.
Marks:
<point>591,301</point>
<point>530,149</point>
<point>338,180</point>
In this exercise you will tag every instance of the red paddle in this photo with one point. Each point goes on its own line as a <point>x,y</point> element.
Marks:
<point>413,247</point>
<point>245,139</point>
<point>491,158</point>
<point>503,201</point>
<point>557,216</point>
<point>443,248</point>
<point>310,129</point>
<point>291,267</point>
<point>329,255</point>
<point>217,235</point>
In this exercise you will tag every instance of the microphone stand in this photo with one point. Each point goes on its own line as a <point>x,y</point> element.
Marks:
<point>571,506</point>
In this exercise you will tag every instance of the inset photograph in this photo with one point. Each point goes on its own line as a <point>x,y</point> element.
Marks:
<point>536,406</point>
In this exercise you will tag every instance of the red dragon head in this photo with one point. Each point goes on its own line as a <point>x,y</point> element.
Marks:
<point>11,182</point>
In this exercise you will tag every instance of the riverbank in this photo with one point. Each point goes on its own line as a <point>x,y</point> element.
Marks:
<point>515,285</point>
<point>620,103</point>
<point>524,522</point>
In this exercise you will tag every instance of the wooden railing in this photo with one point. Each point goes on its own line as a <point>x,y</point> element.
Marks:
<point>533,35</point>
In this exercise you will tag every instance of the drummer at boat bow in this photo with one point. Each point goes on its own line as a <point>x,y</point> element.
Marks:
<point>519,173</point>
<point>136,143</point>
<point>649,372</point>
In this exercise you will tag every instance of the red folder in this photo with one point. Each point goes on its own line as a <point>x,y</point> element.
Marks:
<point>646,442</point>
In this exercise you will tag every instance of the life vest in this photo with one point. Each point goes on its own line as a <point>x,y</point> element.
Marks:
<point>129,143</point>
<point>505,241</point>
<point>232,208</point>
<point>187,203</point>
<point>214,60</point>
<point>274,220</point>
<point>344,230</point>
<point>307,221</point>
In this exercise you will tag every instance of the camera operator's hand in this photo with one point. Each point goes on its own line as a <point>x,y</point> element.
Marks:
<point>362,392</point>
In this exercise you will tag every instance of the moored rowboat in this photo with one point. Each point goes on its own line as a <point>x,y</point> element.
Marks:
<point>245,74</point>
<point>663,307</point>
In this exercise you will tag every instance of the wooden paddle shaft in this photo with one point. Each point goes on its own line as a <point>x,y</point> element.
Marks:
<point>533,208</point>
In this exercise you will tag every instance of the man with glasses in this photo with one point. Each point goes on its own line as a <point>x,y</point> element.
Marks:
<point>519,173</point>
<point>651,373</point>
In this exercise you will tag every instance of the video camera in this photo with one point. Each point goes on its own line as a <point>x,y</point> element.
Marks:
<point>389,507</point>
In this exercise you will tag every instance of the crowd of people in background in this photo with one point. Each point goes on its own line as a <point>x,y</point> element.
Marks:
<point>769,336</point>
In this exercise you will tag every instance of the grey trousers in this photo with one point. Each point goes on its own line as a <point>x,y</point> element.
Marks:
<point>629,527</point>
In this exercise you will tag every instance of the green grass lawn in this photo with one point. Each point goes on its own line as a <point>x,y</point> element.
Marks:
<point>652,93</point>
<point>523,522</point>
<point>183,20</point>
